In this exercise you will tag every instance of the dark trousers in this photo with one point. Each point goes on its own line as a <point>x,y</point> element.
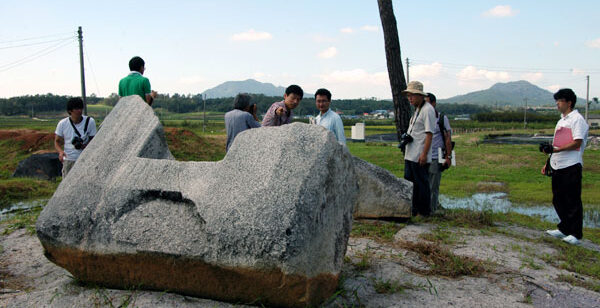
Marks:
<point>566,197</point>
<point>421,197</point>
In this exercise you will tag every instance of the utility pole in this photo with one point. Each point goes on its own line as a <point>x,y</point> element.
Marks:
<point>525,114</point>
<point>587,98</point>
<point>407,65</point>
<point>80,35</point>
<point>204,111</point>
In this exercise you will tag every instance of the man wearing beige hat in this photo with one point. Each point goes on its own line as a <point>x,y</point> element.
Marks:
<point>417,153</point>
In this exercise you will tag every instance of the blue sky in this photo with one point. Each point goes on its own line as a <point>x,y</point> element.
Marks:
<point>189,46</point>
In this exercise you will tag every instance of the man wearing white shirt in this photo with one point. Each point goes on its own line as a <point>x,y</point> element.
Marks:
<point>74,133</point>
<point>417,153</point>
<point>570,137</point>
<point>327,118</point>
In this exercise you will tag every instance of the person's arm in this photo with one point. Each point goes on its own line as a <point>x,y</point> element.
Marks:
<point>339,131</point>
<point>58,145</point>
<point>150,94</point>
<point>270,116</point>
<point>251,121</point>
<point>254,113</point>
<point>448,141</point>
<point>572,146</point>
<point>448,148</point>
<point>150,97</point>
<point>426,148</point>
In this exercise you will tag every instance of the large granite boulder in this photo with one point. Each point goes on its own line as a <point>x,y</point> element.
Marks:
<point>267,224</point>
<point>45,166</point>
<point>382,194</point>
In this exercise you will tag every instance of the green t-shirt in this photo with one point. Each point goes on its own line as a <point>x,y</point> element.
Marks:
<point>134,84</point>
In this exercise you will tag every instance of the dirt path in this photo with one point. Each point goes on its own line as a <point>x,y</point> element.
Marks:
<point>508,272</point>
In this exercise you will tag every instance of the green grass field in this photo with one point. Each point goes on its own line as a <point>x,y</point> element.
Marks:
<point>517,167</point>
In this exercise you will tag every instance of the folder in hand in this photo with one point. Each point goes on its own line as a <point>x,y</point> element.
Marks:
<point>563,136</point>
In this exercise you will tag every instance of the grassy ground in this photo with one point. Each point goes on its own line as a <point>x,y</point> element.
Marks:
<point>517,167</point>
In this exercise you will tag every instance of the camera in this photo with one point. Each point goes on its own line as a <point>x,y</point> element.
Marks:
<point>546,147</point>
<point>404,140</point>
<point>77,143</point>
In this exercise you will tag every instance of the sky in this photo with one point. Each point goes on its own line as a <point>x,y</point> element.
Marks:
<point>453,47</point>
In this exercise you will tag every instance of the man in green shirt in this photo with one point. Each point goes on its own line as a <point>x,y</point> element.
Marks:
<point>135,83</point>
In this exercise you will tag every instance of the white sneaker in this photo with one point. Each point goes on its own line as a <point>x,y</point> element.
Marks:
<point>556,233</point>
<point>571,240</point>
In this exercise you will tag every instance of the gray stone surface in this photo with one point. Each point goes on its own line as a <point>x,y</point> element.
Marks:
<point>382,194</point>
<point>45,166</point>
<point>270,222</point>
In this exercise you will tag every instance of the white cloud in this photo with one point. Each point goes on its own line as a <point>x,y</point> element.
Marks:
<point>346,30</point>
<point>593,43</point>
<point>356,76</point>
<point>553,88</point>
<point>532,77</point>
<point>500,11</point>
<point>188,80</point>
<point>425,70</point>
<point>577,72</point>
<point>369,28</point>
<point>354,83</point>
<point>251,35</point>
<point>556,43</point>
<point>328,53</point>
<point>471,73</point>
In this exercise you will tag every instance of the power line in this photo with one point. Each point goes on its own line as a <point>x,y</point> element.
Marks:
<point>37,43</point>
<point>87,56</point>
<point>36,38</point>
<point>35,55</point>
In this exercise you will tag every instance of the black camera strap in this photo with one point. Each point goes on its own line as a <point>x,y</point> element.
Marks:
<point>87,121</point>
<point>414,119</point>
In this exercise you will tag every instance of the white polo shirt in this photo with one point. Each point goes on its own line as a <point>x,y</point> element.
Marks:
<point>579,130</point>
<point>65,131</point>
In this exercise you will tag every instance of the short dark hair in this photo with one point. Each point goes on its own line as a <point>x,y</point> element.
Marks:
<point>242,101</point>
<point>136,64</point>
<point>294,89</point>
<point>325,92</point>
<point>568,95</point>
<point>74,103</point>
<point>431,97</point>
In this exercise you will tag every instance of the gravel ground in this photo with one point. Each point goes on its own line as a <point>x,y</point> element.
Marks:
<point>390,275</point>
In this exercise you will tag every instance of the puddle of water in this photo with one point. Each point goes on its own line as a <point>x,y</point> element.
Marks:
<point>19,207</point>
<point>497,202</point>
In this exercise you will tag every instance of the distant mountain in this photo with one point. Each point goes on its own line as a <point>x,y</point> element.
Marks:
<point>232,88</point>
<point>511,93</point>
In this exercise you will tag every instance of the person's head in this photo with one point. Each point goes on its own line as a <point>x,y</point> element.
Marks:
<point>137,64</point>
<point>75,104</point>
<point>323,99</point>
<point>292,97</point>
<point>565,100</point>
<point>414,93</point>
<point>430,98</point>
<point>242,101</point>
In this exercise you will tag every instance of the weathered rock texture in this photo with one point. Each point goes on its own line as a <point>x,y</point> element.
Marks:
<point>267,224</point>
<point>382,194</point>
<point>45,166</point>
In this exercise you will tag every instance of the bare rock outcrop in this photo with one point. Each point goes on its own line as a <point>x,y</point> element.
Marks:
<point>267,224</point>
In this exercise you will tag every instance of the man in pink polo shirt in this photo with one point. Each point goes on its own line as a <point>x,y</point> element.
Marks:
<point>281,112</point>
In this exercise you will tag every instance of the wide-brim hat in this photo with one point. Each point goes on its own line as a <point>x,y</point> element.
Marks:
<point>414,87</point>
